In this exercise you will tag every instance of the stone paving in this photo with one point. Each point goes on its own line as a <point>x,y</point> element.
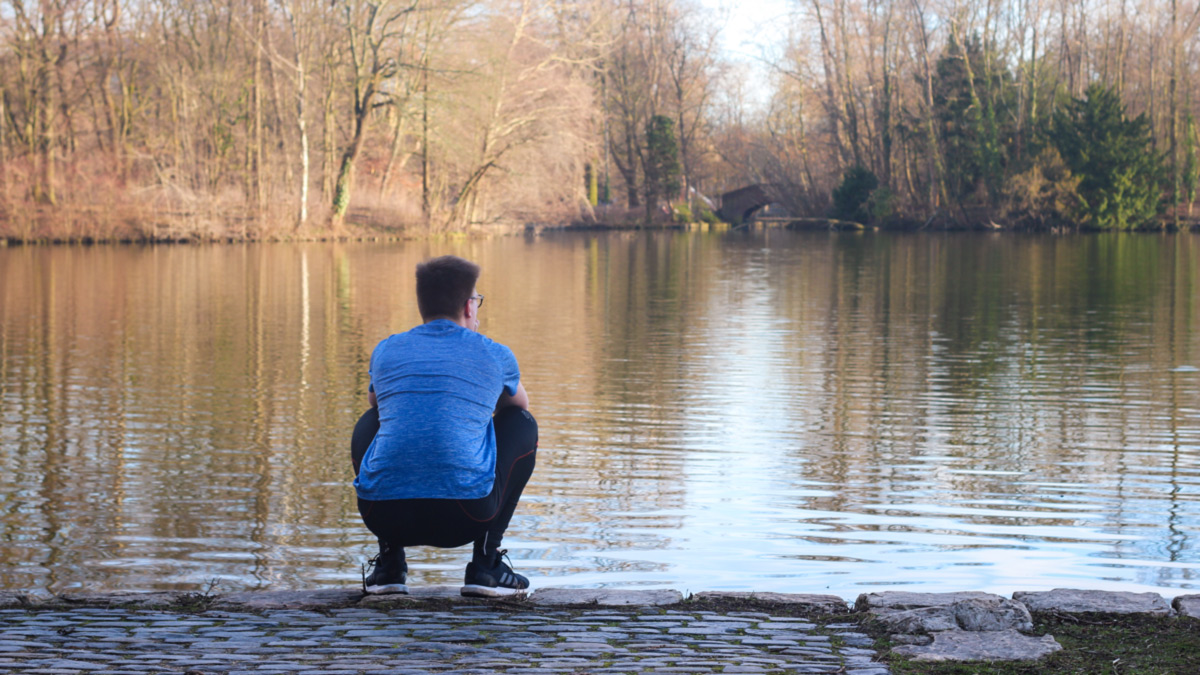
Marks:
<point>412,639</point>
<point>568,631</point>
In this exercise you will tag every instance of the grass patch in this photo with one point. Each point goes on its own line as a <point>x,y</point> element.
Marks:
<point>1093,644</point>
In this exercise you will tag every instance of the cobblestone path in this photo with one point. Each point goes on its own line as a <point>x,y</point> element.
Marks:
<point>470,639</point>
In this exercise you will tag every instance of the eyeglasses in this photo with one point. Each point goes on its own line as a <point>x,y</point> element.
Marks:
<point>479,298</point>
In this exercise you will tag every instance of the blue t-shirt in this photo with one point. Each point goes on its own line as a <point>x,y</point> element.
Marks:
<point>437,386</point>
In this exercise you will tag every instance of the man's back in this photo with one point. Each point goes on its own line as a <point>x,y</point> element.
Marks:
<point>437,386</point>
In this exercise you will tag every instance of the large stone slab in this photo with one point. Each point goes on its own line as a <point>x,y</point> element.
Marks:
<point>133,599</point>
<point>318,599</point>
<point>992,613</point>
<point>908,600</point>
<point>957,645</point>
<point>604,597</point>
<point>1072,601</point>
<point>1188,605</point>
<point>820,604</point>
<point>919,620</point>
<point>417,594</point>
<point>34,598</point>
<point>10,600</point>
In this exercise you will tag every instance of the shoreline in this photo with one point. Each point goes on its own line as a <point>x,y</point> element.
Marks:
<point>798,224</point>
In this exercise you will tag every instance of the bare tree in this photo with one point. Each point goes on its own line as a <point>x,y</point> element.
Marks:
<point>371,29</point>
<point>39,46</point>
<point>691,60</point>
<point>519,96</point>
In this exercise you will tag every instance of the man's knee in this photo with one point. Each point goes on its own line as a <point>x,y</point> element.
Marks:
<point>513,415</point>
<point>364,433</point>
<point>516,426</point>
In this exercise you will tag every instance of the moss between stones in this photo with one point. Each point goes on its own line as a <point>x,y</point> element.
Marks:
<point>1125,644</point>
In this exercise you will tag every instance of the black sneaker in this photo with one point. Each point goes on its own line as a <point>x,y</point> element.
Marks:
<point>498,581</point>
<point>389,574</point>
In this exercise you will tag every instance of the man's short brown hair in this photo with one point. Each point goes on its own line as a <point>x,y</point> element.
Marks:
<point>444,284</point>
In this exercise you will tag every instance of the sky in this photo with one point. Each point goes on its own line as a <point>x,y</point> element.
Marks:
<point>752,30</point>
<point>751,24</point>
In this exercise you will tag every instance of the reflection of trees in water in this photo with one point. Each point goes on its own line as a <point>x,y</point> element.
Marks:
<point>944,360</point>
<point>184,412</point>
<point>169,430</point>
<point>639,293</point>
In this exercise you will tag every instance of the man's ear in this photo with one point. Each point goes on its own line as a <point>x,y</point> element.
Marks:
<point>469,312</point>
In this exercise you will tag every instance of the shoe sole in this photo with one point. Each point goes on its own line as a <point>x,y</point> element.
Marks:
<point>387,589</point>
<point>477,591</point>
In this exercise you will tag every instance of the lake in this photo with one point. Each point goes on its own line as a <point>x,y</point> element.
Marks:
<point>766,410</point>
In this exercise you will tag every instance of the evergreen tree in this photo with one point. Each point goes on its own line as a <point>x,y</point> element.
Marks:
<point>850,198</point>
<point>1120,173</point>
<point>975,109</point>
<point>1190,173</point>
<point>662,161</point>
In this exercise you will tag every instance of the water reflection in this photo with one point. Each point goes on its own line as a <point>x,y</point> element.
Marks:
<point>764,410</point>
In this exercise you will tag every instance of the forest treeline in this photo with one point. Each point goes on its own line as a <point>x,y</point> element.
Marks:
<point>279,118</point>
<point>1034,113</point>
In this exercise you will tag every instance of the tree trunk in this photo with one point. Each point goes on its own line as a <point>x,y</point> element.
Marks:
<point>1173,96</point>
<point>848,93</point>
<point>260,191</point>
<point>425,138</point>
<point>833,103</point>
<point>345,177</point>
<point>44,190</point>
<point>885,109</point>
<point>301,121</point>
<point>627,167</point>
<point>937,187</point>
<point>399,131</point>
<point>328,153</point>
<point>277,124</point>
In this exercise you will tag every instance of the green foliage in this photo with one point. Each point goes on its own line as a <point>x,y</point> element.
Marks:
<point>882,205</point>
<point>703,213</point>
<point>1092,643</point>
<point>662,160</point>
<point>682,213</point>
<point>1190,171</point>
<point>975,106</point>
<point>1046,194</point>
<point>850,199</point>
<point>1120,172</point>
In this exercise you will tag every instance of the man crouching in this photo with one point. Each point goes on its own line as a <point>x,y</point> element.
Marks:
<point>448,444</point>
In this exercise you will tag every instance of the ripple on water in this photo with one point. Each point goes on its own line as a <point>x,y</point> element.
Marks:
<point>744,411</point>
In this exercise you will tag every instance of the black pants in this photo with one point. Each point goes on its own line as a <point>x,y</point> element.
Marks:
<point>449,523</point>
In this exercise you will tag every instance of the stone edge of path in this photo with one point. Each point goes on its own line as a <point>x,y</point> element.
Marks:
<point>812,603</point>
<point>954,606</point>
<point>337,598</point>
<point>1065,601</point>
<point>1074,601</point>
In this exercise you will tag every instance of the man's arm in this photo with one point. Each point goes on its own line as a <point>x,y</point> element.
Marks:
<point>519,399</point>
<point>371,399</point>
